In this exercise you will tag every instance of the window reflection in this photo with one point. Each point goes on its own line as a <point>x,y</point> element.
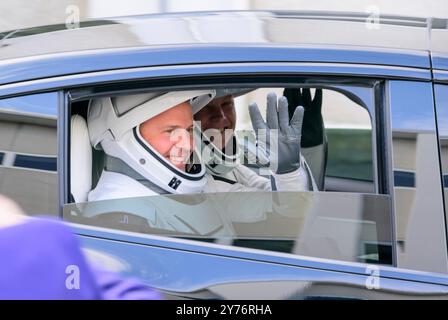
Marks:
<point>28,152</point>
<point>342,226</point>
<point>334,224</point>
<point>441,93</point>
<point>42,105</point>
<point>417,183</point>
<point>35,162</point>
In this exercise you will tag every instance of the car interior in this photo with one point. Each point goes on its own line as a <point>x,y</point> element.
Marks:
<point>343,163</point>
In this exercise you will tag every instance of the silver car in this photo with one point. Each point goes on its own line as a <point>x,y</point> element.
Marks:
<point>376,228</point>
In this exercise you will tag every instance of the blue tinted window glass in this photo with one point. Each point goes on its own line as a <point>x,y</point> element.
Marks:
<point>28,139</point>
<point>42,104</point>
<point>35,162</point>
<point>404,179</point>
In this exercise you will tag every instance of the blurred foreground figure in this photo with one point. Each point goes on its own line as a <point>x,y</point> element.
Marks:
<point>42,259</point>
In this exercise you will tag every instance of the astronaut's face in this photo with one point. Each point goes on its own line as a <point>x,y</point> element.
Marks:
<point>219,115</point>
<point>170,134</point>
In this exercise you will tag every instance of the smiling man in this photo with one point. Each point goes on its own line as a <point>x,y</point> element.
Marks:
<point>148,144</point>
<point>170,133</point>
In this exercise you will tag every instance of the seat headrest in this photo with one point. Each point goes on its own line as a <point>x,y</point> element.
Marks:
<point>80,159</point>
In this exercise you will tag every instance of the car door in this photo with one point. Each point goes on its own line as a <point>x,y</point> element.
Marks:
<point>231,266</point>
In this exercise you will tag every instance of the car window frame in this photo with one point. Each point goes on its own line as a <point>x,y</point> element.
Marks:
<point>335,70</point>
<point>367,95</point>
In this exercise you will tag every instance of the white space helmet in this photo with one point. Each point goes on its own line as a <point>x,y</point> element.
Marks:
<point>114,123</point>
<point>217,161</point>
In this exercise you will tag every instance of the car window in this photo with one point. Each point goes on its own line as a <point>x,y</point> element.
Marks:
<point>349,135</point>
<point>346,143</point>
<point>441,94</point>
<point>338,214</point>
<point>28,149</point>
<point>417,187</point>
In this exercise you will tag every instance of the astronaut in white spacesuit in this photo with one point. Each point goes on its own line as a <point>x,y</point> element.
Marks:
<point>147,142</point>
<point>224,155</point>
<point>142,158</point>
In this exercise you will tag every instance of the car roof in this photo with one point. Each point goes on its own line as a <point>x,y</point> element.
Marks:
<point>412,36</point>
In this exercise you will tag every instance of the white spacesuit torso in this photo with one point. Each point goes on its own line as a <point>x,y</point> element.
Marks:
<point>243,179</point>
